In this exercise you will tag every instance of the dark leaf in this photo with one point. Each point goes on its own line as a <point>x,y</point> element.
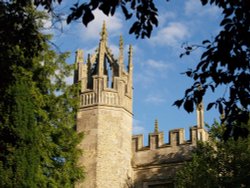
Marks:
<point>210,105</point>
<point>189,73</point>
<point>204,2</point>
<point>205,42</point>
<point>188,105</point>
<point>228,12</point>
<point>105,8</point>
<point>87,17</point>
<point>134,27</point>
<point>154,20</point>
<point>133,4</point>
<point>189,48</point>
<point>69,19</point>
<point>125,12</point>
<point>188,91</point>
<point>112,12</point>
<point>205,54</point>
<point>178,103</point>
<point>152,6</point>
<point>225,21</point>
<point>220,108</point>
<point>94,4</point>
<point>212,87</point>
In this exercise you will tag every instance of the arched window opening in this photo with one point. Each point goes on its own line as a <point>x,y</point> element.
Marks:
<point>108,71</point>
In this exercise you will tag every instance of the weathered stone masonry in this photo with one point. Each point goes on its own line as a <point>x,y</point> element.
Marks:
<point>112,158</point>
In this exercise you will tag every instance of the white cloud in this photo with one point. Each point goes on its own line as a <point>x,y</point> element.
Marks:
<point>155,99</point>
<point>113,24</point>
<point>194,7</point>
<point>157,65</point>
<point>171,35</point>
<point>151,71</point>
<point>165,17</point>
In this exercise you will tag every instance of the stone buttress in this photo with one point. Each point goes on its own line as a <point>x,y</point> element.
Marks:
<point>105,116</point>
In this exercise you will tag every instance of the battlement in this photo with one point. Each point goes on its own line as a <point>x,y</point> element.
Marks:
<point>158,162</point>
<point>158,153</point>
<point>176,138</point>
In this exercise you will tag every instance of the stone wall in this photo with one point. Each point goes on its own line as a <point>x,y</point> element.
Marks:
<point>87,123</point>
<point>106,146</point>
<point>155,165</point>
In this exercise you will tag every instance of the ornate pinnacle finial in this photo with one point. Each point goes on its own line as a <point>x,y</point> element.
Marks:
<point>130,50</point>
<point>130,54</point>
<point>104,33</point>
<point>156,126</point>
<point>121,42</point>
<point>79,56</point>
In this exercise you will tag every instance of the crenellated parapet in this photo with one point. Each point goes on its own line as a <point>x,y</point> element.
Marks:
<point>156,139</point>
<point>157,163</point>
<point>176,139</point>
<point>177,149</point>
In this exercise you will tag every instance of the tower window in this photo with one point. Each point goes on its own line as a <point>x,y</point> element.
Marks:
<point>108,71</point>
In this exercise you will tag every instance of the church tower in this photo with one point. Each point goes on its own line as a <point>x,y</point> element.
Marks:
<point>105,115</point>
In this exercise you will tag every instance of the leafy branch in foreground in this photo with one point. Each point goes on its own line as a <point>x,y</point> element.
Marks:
<point>143,12</point>
<point>225,61</point>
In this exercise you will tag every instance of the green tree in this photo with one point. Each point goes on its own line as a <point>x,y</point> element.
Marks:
<point>19,138</point>
<point>217,163</point>
<point>38,141</point>
<point>224,62</point>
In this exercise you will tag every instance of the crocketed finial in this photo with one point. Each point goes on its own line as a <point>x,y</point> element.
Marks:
<point>121,42</point>
<point>156,126</point>
<point>104,33</point>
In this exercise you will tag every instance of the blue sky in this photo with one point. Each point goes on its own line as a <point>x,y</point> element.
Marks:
<point>158,81</point>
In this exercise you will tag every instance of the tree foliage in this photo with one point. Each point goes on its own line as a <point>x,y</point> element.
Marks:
<point>19,138</point>
<point>217,163</point>
<point>224,62</point>
<point>144,12</point>
<point>37,108</point>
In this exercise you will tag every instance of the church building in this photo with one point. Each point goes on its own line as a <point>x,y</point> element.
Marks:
<point>112,156</point>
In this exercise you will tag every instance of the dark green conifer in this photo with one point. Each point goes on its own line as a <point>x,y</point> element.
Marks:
<point>38,143</point>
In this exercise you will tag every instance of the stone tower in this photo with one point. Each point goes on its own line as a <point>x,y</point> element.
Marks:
<point>105,116</point>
